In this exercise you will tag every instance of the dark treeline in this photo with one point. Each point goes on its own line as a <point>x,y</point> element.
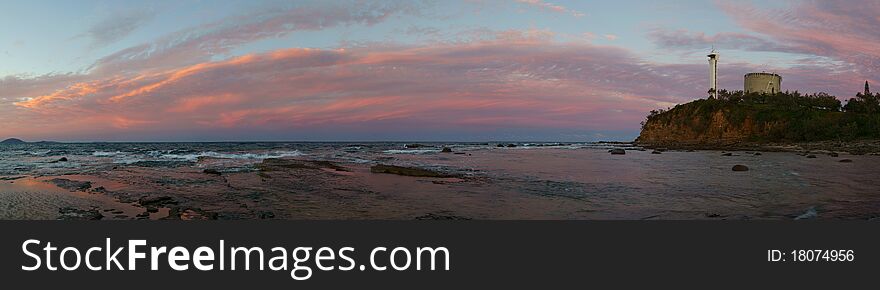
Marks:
<point>784,116</point>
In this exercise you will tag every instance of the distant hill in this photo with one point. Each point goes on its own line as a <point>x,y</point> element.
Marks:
<point>738,118</point>
<point>11,141</point>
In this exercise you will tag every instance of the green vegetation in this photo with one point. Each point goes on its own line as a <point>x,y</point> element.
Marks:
<point>786,116</point>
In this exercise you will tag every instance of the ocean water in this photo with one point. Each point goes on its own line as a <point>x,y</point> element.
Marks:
<point>529,181</point>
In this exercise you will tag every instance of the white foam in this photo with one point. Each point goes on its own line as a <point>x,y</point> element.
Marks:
<point>249,156</point>
<point>411,151</point>
<point>39,153</point>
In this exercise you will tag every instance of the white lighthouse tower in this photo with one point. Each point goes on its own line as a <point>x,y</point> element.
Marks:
<point>713,74</point>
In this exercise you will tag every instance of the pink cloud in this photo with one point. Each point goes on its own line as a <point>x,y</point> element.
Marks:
<point>514,81</point>
<point>841,30</point>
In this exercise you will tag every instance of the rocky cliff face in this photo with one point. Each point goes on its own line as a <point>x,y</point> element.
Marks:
<point>679,129</point>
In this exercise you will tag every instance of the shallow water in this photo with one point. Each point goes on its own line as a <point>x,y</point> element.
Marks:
<point>530,181</point>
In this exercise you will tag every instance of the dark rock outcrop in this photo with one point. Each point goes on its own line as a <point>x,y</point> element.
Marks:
<point>408,171</point>
<point>280,164</point>
<point>167,164</point>
<point>70,213</point>
<point>72,185</point>
<point>62,159</point>
<point>156,201</point>
<point>740,167</point>
<point>617,151</point>
<point>441,217</point>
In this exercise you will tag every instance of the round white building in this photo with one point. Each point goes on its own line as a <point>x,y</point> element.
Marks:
<point>762,83</point>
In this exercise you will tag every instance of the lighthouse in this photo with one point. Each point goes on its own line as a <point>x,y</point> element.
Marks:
<point>713,74</point>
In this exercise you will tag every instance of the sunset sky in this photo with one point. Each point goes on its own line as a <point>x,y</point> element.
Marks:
<point>473,70</point>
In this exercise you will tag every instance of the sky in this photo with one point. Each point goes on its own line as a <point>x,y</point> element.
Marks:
<point>468,70</point>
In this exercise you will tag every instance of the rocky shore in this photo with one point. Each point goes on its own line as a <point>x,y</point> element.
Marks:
<point>608,180</point>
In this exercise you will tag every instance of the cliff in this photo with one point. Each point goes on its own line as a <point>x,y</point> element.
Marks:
<point>681,129</point>
<point>739,119</point>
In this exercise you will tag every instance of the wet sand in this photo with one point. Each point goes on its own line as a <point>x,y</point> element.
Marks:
<point>490,183</point>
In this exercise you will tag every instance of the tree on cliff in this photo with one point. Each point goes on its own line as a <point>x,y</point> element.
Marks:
<point>864,103</point>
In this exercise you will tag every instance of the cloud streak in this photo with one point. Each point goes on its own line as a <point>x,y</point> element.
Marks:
<point>552,7</point>
<point>199,44</point>
<point>118,26</point>
<point>683,39</point>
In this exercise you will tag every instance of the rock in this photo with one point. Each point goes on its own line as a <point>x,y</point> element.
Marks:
<point>152,209</point>
<point>500,145</point>
<point>161,164</point>
<point>617,151</point>
<point>459,153</point>
<point>62,159</point>
<point>758,154</point>
<point>73,185</point>
<point>441,216</point>
<point>157,201</point>
<point>740,167</point>
<point>211,171</point>
<point>446,150</point>
<point>811,156</point>
<point>655,152</point>
<point>408,171</point>
<point>413,146</point>
<point>846,160</point>
<point>833,154</point>
<point>727,154</point>
<point>266,215</point>
<point>282,164</point>
<point>511,145</point>
<point>143,214</point>
<point>70,213</point>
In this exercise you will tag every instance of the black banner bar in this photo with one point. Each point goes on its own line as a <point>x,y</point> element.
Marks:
<point>486,254</point>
